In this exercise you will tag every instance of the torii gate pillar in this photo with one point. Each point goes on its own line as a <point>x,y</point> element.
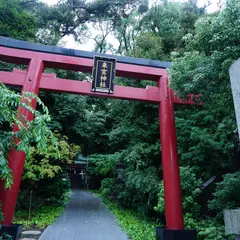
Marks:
<point>171,176</point>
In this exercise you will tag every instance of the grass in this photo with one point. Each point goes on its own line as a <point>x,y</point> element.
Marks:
<point>132,224</point>
<point>40,218</point>
<point>43,216</point>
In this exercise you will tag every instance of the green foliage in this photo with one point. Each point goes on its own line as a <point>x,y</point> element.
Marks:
<point>108,188</point>
<point>164,21</point>
<point>102,164</point>
<point>78,117</point>
<point>204,70</point>
<point>45,180</point>
<point>171,21</point>
<point>138,189</point>
<point>227,194</point>
<point>205,143</point>
<point>70,17</point>
<point>15,22</point>
<point>135,142</point>
<point>145,185</point>
<point>135,227</point>
<point>207,229</point>
<point>29,131</point>
<point>190,191</point>
<point>46,191</point>
<point>48,164</point>
<point>212,143</point>
<point>149,46</point>
<point>41,217</point>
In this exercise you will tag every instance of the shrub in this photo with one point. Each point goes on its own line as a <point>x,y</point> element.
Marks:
<point>227,195</point>
<point>108,188</point>
<point>190,192</point>
<point>207,229</point>
<point>134,225</point>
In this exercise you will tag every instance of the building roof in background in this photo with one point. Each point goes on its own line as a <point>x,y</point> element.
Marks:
<point>81,159</point>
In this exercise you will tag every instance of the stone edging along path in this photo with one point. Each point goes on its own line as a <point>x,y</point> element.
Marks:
<point>30,234</point>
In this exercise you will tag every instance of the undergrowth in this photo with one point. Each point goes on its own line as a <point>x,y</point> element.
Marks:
<point>40,218</point>
<point>131,223</point>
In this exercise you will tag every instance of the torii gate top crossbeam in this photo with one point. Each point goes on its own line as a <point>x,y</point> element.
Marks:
<point>17,44</point>
<point>78,64</point>
<point>21,52</point>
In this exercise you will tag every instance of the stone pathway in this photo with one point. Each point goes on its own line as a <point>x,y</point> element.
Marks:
<point>85,218</point>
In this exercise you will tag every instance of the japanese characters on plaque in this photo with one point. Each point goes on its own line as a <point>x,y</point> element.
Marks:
<point>103,74</point>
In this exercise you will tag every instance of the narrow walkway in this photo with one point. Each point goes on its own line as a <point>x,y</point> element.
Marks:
<point>85,218</point>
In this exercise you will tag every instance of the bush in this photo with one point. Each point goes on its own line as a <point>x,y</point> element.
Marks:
<point>101,166</point>
<point>44,178</point>
<point>41,217</point>
<point>207,229</point>
<point>190,192</point>
<point>45,192</point>
<point>133,224</point>
<point>108,186</point>
<point>227,195</point>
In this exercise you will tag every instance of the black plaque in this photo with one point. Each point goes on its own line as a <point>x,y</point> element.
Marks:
<point>103,74</point>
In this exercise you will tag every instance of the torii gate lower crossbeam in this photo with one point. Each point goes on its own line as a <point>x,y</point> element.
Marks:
<point>34,79</point>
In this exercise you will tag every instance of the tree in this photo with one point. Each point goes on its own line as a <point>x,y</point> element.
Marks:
<point>171,22</point>
<point>44,180</point>
<point>212,130</point>
<point>70,17</point>
<point>34,131</point>
<point>15,22</point>
<point>208,139</point>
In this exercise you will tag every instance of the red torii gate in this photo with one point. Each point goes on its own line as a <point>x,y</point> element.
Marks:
<point>38,57</point>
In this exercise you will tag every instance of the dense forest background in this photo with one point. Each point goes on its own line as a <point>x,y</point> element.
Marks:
<point>113,133</point>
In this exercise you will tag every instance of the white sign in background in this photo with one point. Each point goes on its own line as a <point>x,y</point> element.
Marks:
<point>234,72</point>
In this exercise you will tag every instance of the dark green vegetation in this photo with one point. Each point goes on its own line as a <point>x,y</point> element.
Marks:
<point>201,46</point>
<point>132,223</point>
<point>40,218</point>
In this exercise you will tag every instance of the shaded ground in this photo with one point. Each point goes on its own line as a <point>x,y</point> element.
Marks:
<point>85,218</point>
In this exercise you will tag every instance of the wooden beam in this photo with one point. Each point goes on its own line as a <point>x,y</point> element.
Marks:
<point>50,83</point>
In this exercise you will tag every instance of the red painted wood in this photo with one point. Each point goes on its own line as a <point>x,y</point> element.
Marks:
<point>49,83</point>
<point>171,176</point>
<point>78,64</point>
<point>11,78</point>
<point>16,159</point>
<point>16,70</point>
<point>84,88</point>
